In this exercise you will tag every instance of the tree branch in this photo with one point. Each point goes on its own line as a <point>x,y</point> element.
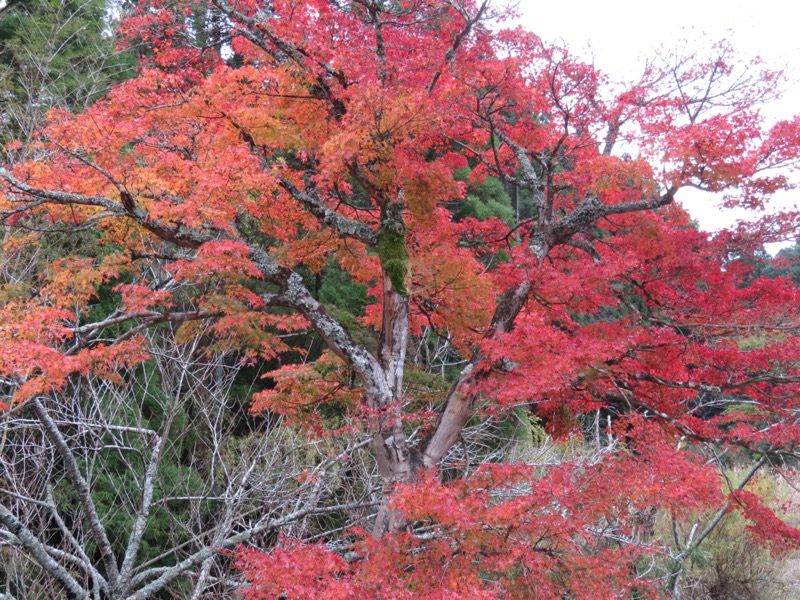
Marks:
<point>142,515</point>
<point>81,487</point>
<point>169,573</point>
<point>450,56</point>
<point>178,234</point>
<point>98,579</point>
<point>39,553</point>
<point>328,217</point>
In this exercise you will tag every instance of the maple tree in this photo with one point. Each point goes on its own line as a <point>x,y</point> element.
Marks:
<point>337,138</point>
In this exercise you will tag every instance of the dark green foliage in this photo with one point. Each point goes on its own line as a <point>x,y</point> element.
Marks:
<point>339,290</point>
<point>485,200</point>
<point>788,265</point>
<point>346,301</point>
<point>116,486</point>
<point>785,264</point>
<point>55,53</point>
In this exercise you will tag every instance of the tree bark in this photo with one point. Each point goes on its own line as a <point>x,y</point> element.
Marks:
<point>389,443</point>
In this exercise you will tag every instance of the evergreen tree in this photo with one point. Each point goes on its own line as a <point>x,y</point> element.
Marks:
<point>54,53</point>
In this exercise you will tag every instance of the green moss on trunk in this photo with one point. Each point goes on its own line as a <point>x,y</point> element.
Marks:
<point>393,254</point>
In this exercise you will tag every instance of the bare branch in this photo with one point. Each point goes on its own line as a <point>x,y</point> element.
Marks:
<point>39,552</point>
<point>81,488</point>
<point>169,573</point>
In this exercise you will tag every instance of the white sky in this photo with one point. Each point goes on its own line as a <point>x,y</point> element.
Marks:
<point>619,34</point>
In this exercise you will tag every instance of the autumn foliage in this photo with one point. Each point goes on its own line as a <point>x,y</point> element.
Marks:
<point>330,135</point>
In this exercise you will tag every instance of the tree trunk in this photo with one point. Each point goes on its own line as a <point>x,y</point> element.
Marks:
<point>389,442</point>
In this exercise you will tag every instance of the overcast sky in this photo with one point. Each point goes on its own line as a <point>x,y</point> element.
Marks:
<point>619,34</point>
